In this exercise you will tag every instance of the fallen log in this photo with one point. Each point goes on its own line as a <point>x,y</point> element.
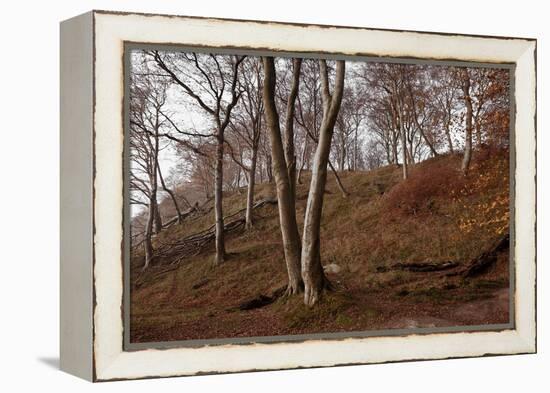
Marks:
<point>192,245</point>
<point>193,211</point>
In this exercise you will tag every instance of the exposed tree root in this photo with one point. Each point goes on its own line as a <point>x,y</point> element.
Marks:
<point>476,266</point>
<point>257,302</point>
<point>420,266</point>
<point>315,295</point>
<point>487,258</point>
<point>262,300</point>
<point>291,291</point>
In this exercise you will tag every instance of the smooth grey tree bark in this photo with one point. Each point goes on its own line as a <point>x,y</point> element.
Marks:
<point>290,155</point>
<point>250,189</point>
<point>247,125</point>
<point>218,200</point>
<point>153,217</point>
<point>302,160</point>
<point>286,204</point>
<point>469,114</point>
<point>157,216</point>
<point>312,270</point>
<point>147,243</point>
<point>403,139</point>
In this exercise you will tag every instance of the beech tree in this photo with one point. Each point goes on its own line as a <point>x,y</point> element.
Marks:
<point>350,119</point>
<point>290,156</point>
<point>211,81</point>
<point>310,115</point>
<point>285,195</point>
<point>388,83</point>
<point>468,119</point>
<point>445,101</point>
<point>247,126</point>
<point>312,270</point>
<point>421,112</point>
<point>146,123</point>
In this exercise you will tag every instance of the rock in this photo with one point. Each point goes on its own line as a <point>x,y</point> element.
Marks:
<point>332,268</point>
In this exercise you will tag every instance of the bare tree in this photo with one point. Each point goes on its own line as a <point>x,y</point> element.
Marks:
<point>444,99</point>
<point>290,155</point>
<point>287,211</point>
<point>211,81</point>
<point>312,270</point>
<point>387,81</point>
<point>309,114</point>
<point>468,118</point>
<point>419,108</point>
<point>247,126</point>
<point>169,192</point>
<point>146,122</point>
<point>350,118</point>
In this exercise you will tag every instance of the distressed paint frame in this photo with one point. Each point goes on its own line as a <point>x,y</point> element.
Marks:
<point>110,32</point>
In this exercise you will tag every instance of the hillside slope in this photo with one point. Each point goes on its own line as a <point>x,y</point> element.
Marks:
<point>370,239</point>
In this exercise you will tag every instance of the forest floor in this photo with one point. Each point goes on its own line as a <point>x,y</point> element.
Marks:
<point>435,216</point>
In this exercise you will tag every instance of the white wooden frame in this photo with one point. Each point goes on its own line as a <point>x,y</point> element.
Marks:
<point>92,194</point>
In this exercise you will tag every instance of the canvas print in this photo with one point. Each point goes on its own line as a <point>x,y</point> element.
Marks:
<point>272,196</point>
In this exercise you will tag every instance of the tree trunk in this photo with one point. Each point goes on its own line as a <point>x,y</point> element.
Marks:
<point>468,139</point>
<point>156,215</point>
<point>237,185</point>
<point>343,157</point>
<point>218,199</point>
<point>478,133</point>
<point>449,139</point>
<point>355,149</point>
<point>389,156</point>
<point>302,160</point>
<point>250,191</point>
<point>394,148</point>
<point>151,218</point>
<point>287,212</point>
<point>290,156</point>
<point>148,233</point>
<point>172,196</point>
<point>268,169</point>
<point>403,151</point>
<point>338,181</point>
<point>410,157</point>
<point>312,270</point>
<point>261,172</point>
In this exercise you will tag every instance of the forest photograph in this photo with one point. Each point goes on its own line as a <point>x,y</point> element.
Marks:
<point>278,196</point>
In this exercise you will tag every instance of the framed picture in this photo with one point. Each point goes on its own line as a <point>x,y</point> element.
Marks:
<point>246,195</point>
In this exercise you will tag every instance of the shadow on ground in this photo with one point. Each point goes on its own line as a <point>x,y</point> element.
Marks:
<point>52,362</point>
